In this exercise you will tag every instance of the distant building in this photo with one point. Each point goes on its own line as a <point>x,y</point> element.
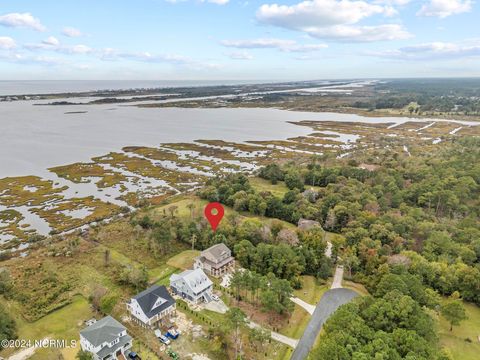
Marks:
<point>192,285</point>
<point>216,260</point>
<point>152,307</point>
<point>105,339</point>
<point>304,224</point>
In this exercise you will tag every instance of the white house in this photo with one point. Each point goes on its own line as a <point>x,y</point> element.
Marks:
<point>216,260</point>
<point>152,307</point>
<point>105,339</point>
<point>192,285</point>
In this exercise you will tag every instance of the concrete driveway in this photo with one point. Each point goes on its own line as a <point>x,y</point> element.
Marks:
<point>308,307</point>
<point>337,278</point>
<point>327,305</point>
<point>216,306</point>
<point>275,336</point>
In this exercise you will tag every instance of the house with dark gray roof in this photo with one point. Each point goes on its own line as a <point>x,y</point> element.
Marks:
<point>216,260</point>
<point>152,307</point>
<point>105,339</point>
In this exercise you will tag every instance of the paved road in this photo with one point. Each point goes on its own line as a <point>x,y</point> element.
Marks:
<point>329,302</point>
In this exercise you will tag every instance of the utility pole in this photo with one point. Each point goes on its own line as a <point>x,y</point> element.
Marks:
<point>194,237</point>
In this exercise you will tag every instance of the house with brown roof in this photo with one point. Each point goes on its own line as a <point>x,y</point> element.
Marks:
<point>216,260</point>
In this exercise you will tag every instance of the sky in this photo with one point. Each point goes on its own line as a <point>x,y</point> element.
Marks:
<point>238,39</point>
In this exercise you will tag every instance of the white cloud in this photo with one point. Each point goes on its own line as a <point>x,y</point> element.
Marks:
<point>349,33</point>
<point>53,44</point>
<point>15,57</point>
<point>218,2</point>
<point>71,32</point>
<point>333,19</point>
<point>445,8</point>
<point>280,44</point>
<point>433,51</point>
<point>21,20</point>
<point>51,40</point>
<point>240,55</point>
<point>77,49</point>
<point>7,43</point>
<point>110,54</point>
<point>393,2</point>
<point>317,13</point>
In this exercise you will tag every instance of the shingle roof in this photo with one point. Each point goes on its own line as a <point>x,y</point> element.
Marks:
<point>154,300</point>
<point>195,279</point>
<point>111,350</point>
<point>104,330</point>
<point>214,252</point>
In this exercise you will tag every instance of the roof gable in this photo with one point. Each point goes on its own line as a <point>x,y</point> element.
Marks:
<point>154,300</point>
<point>196,279</point>
<point>104,330</point>
<point>216,252</point>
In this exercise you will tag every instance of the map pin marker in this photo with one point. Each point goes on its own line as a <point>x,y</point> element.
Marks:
<point>214,213</point>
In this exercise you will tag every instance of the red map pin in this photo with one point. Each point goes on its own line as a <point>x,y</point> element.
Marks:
<point>214,213</point>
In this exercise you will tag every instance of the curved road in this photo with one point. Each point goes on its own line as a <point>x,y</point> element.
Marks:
<point>327,305</point>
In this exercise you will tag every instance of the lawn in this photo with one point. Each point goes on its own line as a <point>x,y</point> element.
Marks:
<point>181,204</point>
<point>296,324</point>
<point>359,288</point>
<point>311,291</point>
<point>468,329</point>
<point>184,260</point>
<point>64,323</point>
<point>161,275</point>
<point>260,184</point>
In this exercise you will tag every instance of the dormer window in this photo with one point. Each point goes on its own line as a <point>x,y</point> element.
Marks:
<point>116,341</point>
<point>160,301</point>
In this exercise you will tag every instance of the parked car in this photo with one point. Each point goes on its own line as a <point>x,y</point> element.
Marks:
<point>172,333</point>
<point>163,339</point>
<point>215,297</point>
<point>133,355</point>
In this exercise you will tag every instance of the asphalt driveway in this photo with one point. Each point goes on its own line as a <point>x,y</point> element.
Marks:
<point>327,305</point>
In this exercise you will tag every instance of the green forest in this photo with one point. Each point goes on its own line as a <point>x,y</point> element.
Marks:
<point>411,235</point>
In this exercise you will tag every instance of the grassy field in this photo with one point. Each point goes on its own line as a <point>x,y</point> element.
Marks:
<point>278,189</point>
<point>184,260</point>
<point>455,341</point>
<point>160,275</point>
<point>264,185</point>
<point>311,291</point>
<point>181,205</point>
<point>296,324</point>
<point>359,288</point>
<point>64,323</point>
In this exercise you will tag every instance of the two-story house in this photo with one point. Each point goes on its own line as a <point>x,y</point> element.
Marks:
<point>216,260</point>
<point>152,307</point>
<point>105,339</point>
<point>192,285</point>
